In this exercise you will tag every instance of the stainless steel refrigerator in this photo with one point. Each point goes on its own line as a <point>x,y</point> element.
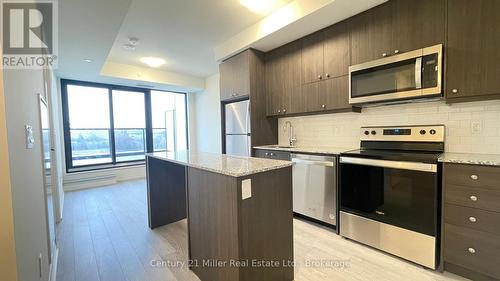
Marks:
<point>237,124</point>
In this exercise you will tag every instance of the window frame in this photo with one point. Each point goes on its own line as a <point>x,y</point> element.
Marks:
<point>68,152</point>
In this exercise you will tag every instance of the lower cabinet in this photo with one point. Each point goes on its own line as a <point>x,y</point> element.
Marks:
<point>471,244</point>
<point>272,154</point>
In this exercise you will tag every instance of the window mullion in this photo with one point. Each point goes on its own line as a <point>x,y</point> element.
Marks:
<point>112,126</point>
<point>149,122</point>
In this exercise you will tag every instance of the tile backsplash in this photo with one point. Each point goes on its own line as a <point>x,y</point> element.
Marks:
<point>470,127</point>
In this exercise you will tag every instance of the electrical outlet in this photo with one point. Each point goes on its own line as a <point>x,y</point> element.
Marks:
<point>476,127</point>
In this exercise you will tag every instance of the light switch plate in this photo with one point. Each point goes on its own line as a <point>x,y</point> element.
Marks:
<point>30,139</point>
<point>246,189</point>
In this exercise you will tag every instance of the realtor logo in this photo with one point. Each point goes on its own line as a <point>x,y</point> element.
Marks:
<point>29,34</point>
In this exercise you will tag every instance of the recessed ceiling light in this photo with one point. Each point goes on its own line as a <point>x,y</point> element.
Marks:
<point>153,62</point>
<point>87,60</point>
<point>259,6</point>
<point>129,47</point>
<point>133,41</point>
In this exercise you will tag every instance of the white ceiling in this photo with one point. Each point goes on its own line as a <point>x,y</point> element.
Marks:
<point>186,33</point>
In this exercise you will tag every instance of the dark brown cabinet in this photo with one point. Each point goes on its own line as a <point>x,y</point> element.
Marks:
<point>337,50</point>
<point>417,24</point>
<point>312,57</point>
<point>326,53</point>
<point>471,244</point>
<point>397,26</point>
<point>272,154</point>
<point>473,50</point>
<point>235,76</point>
<point>327,95</point>
<point>371,34</point>
<point>283,80</point>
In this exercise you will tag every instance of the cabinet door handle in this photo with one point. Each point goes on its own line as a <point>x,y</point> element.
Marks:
<point>473,198</point>
<point>474,177</point>
<point>327,75</point>
<point>284,110</point>
<point>471,250</point>
<point>279,110</point>
<point>323,106</point>
<point>396,51</point>
<point>455,91</point>
<point>384,55</point>
<point>320,77</point>
<point>267,153</point>
<point>472,219</point>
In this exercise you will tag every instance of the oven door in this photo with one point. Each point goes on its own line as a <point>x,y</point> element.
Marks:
<point>414,74</point>
<point>403,194</point>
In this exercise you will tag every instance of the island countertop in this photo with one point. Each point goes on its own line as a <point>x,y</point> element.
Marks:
<point>234,166</point>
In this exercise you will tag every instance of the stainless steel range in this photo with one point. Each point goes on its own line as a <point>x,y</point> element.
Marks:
<point>390,191</point>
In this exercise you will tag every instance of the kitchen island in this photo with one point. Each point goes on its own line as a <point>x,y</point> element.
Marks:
<point>239,212</point>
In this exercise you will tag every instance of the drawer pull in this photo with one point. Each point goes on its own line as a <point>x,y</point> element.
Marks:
<point>473,198</point>
<point>472,219</point>
<point>472,250</point>
<point>267,153</point>
<point>474,177</point>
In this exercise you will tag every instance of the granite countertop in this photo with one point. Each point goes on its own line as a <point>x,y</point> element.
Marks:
<point>234,166</point>
<point>471,158</point>
<point>307,149</point>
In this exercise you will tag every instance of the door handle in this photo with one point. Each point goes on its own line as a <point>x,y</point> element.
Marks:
<point>418,73</point>
<point>311,162</point>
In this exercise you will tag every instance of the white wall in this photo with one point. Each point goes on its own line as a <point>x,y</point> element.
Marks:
<point>205,117</point>
<point>342,129</point>
<point>26,171</point>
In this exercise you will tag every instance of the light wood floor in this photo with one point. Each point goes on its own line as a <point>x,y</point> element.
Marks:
<point>104,236</point>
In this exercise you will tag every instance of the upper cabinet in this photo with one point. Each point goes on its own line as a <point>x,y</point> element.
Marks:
<point>417,24</point>
<point>337,50</point>
<point>371,34</point>
<point>395,27</point>
<point>473,50</point>
<point>312,57</point>
<point>235,76</point>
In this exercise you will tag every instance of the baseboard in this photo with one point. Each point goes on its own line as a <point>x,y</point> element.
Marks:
<point>89,183</point>
<point>91,179</point>
<point>53,266</point>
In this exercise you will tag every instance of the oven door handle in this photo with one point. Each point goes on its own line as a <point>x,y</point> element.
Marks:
<point>413,166</point>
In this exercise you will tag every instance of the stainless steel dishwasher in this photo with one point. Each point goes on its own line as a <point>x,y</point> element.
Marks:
<point>315,187</point>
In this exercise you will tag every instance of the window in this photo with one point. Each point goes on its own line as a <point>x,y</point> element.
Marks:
<point>109,125</point>
<point>129,117</point>
<point>169,113</point>
<point>89,125</point>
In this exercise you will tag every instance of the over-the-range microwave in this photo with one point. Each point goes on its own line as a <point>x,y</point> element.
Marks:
<point>411,75</point>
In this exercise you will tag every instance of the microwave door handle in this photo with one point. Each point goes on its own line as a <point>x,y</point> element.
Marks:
<point>418,73</point>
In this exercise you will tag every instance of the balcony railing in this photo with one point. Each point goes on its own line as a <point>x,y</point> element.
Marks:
<point>92,146</point>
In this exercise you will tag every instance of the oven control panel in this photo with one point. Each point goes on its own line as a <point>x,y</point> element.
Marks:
<point>428,133</point>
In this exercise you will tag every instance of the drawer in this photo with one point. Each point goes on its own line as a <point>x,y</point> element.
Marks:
<point>272,154</point>
<point>475,197</point>
<point>475,250</point>
<point>473,176</point>
<point>473,218</point>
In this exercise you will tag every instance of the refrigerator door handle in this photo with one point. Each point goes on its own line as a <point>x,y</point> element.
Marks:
<point>248,118</point>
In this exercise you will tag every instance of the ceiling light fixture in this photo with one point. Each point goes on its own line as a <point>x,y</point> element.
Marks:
<point>133,41</point>
<point>87,60</point>
<point>153,62</point>
<point>129,47</point>
<point>259,6</point>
